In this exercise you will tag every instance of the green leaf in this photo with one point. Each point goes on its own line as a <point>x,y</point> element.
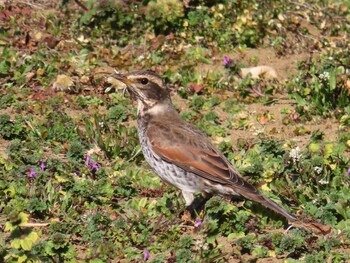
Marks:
<point>27,243</point>
<point>307,91</point>
<point>344,225</point>
<point>260,252</point>
<point>301,101</point>
<point>24,218</point>
<point>211,239</point>
<point>16,219</point>
<point>143,202</point>
<point>314,147</point>
<point>328,150</point>
<point>4,66</point>
<point>237,235</point>
<point>22,258</point>
<point>16,243</point>
<point>9,227</point>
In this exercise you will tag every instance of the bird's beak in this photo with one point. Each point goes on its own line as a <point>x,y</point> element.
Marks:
<point>122,78</point>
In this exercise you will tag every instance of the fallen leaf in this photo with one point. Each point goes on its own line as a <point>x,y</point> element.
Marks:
<point>186,217</point>
<point>265,72</point>
<point>263,119</point>
<point>39,96</point>
<point>62,83</point>
<point>30,75</point>
<point>197,88</point>
<point>40,71</point>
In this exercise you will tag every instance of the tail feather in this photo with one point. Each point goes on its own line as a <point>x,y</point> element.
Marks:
<point>257,197</point>
<point>278,209</point>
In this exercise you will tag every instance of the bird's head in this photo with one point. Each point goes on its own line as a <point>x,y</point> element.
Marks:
<point>147,86</point>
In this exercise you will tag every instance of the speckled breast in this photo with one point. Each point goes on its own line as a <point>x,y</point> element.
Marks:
<point>169,172</point>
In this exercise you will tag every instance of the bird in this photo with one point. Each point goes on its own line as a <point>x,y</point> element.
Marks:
<point>178,152</point>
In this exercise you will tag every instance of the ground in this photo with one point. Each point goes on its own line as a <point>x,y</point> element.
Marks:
<point>70,157</point>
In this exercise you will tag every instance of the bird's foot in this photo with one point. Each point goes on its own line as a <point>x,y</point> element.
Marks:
<point>195,209</point>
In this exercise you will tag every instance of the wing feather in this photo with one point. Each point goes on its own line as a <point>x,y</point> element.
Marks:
<point>189,149</point>
<point>196,154</point>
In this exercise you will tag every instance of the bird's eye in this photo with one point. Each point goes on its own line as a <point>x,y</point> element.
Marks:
<point>144,81</point>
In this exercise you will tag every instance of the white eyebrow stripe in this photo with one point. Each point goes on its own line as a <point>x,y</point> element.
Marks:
<point>151,78</point>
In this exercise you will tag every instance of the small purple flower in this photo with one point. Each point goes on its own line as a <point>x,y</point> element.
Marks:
<point>227,61</point>
<point>32,173</point>
<point>42,24</point>
<point>348,173</point>
<point>146,255</point>
<point>88,160</point>
<point>153,239</point>
<point>198,223</point>
<point>93,166</point>
<point>42,166</point>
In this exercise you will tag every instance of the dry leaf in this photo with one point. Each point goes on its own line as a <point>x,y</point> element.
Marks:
<point>30,75</point>
<point>263,119</point>
<point>117,84</point>
<point>40,71</point>
<point>63,83</point>
<point>197,88</point>
<point>265,72</point>
<point>84,79</point>
<point>186,217</point>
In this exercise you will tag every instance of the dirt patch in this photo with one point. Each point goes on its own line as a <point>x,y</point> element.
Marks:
<point>3,146</point>
<point>280,131</point>
<point>275,127</point>
<point>285,66</point>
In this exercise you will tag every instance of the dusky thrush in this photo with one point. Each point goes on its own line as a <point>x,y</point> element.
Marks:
<point>181,154</point>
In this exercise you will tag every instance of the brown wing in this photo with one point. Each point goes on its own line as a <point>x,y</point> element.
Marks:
<point>189,149</point>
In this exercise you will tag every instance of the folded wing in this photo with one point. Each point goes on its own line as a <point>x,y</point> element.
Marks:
<point>193,152</point>
<point>197,155</point>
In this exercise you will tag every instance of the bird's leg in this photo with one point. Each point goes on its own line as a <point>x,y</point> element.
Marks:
<point>194,206</point>
<point>187,214</point>
<point>189,197</point>
<point>201,202</point>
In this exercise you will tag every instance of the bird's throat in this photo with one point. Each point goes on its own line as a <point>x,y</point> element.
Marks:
<point>153,110</point>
